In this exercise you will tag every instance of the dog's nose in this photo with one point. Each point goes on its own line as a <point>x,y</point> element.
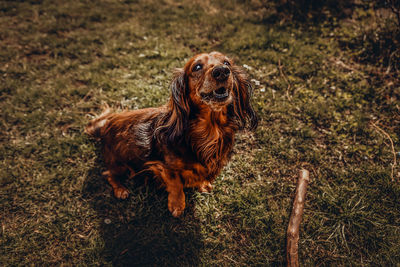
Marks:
<point>220,73</point>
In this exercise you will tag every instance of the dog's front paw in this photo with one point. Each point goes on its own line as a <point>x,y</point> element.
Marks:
<point>176,205</point>
<point>176,212</point>
<point>205,187</point>
<point>121,192</point>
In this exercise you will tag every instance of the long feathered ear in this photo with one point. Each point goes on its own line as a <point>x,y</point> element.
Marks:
<point>173,124</point>
<point>242,108</point>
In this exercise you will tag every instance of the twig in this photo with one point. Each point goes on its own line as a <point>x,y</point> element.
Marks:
<point>226,256</point>
<point>391,144</point>
<point>347,67</point>
<point>285,78</point>
<point>292,247</point>
<point>395,10</point>
<point>389,68</point>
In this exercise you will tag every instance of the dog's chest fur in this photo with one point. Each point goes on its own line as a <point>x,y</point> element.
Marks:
<point>211,138</point>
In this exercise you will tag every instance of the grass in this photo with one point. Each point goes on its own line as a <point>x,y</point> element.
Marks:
<point>62,60</point>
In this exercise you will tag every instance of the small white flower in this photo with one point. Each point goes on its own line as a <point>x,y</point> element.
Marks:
<point>127,76</point>
<point>247,67</point>
<point>257,83</point>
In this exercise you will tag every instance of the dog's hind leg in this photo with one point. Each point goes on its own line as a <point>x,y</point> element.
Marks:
<point>120,191</point>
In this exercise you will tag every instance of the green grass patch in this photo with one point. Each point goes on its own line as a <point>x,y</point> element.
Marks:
<point>63,60</point>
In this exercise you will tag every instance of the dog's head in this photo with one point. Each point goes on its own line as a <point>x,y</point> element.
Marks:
<point>210,82</point>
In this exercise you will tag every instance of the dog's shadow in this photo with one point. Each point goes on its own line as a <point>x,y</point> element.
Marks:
<point>140,231</point>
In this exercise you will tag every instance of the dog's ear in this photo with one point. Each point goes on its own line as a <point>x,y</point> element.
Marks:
<point>180,93</point>
<point>243,111</point>
<point>180,105</point>
<point>174,123</point>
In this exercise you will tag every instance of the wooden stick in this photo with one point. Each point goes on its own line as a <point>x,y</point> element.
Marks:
<point>292,254</point>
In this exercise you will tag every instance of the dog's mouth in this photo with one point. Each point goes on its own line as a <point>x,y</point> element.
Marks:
<point>219,95</point>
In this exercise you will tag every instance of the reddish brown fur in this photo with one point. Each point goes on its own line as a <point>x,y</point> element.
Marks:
<point>186,142</point>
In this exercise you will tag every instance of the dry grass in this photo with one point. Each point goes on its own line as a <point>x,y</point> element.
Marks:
<point>61,60</point>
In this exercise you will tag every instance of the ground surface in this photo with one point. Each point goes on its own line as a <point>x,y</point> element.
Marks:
<point>61,60</point>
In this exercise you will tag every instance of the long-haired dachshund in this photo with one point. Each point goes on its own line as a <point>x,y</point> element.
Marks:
<point>186,142</point>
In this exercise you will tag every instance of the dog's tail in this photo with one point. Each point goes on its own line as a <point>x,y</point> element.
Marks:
<point>94,127</point>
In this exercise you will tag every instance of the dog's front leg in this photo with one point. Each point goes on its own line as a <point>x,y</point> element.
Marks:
<point>176,196</point>
<point>173,184</point>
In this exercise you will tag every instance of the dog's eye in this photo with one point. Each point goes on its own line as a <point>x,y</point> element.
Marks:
<point>197,67</point>
<point>227,63</point>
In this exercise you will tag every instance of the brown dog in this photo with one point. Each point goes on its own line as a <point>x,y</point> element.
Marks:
<point>186,142</point>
